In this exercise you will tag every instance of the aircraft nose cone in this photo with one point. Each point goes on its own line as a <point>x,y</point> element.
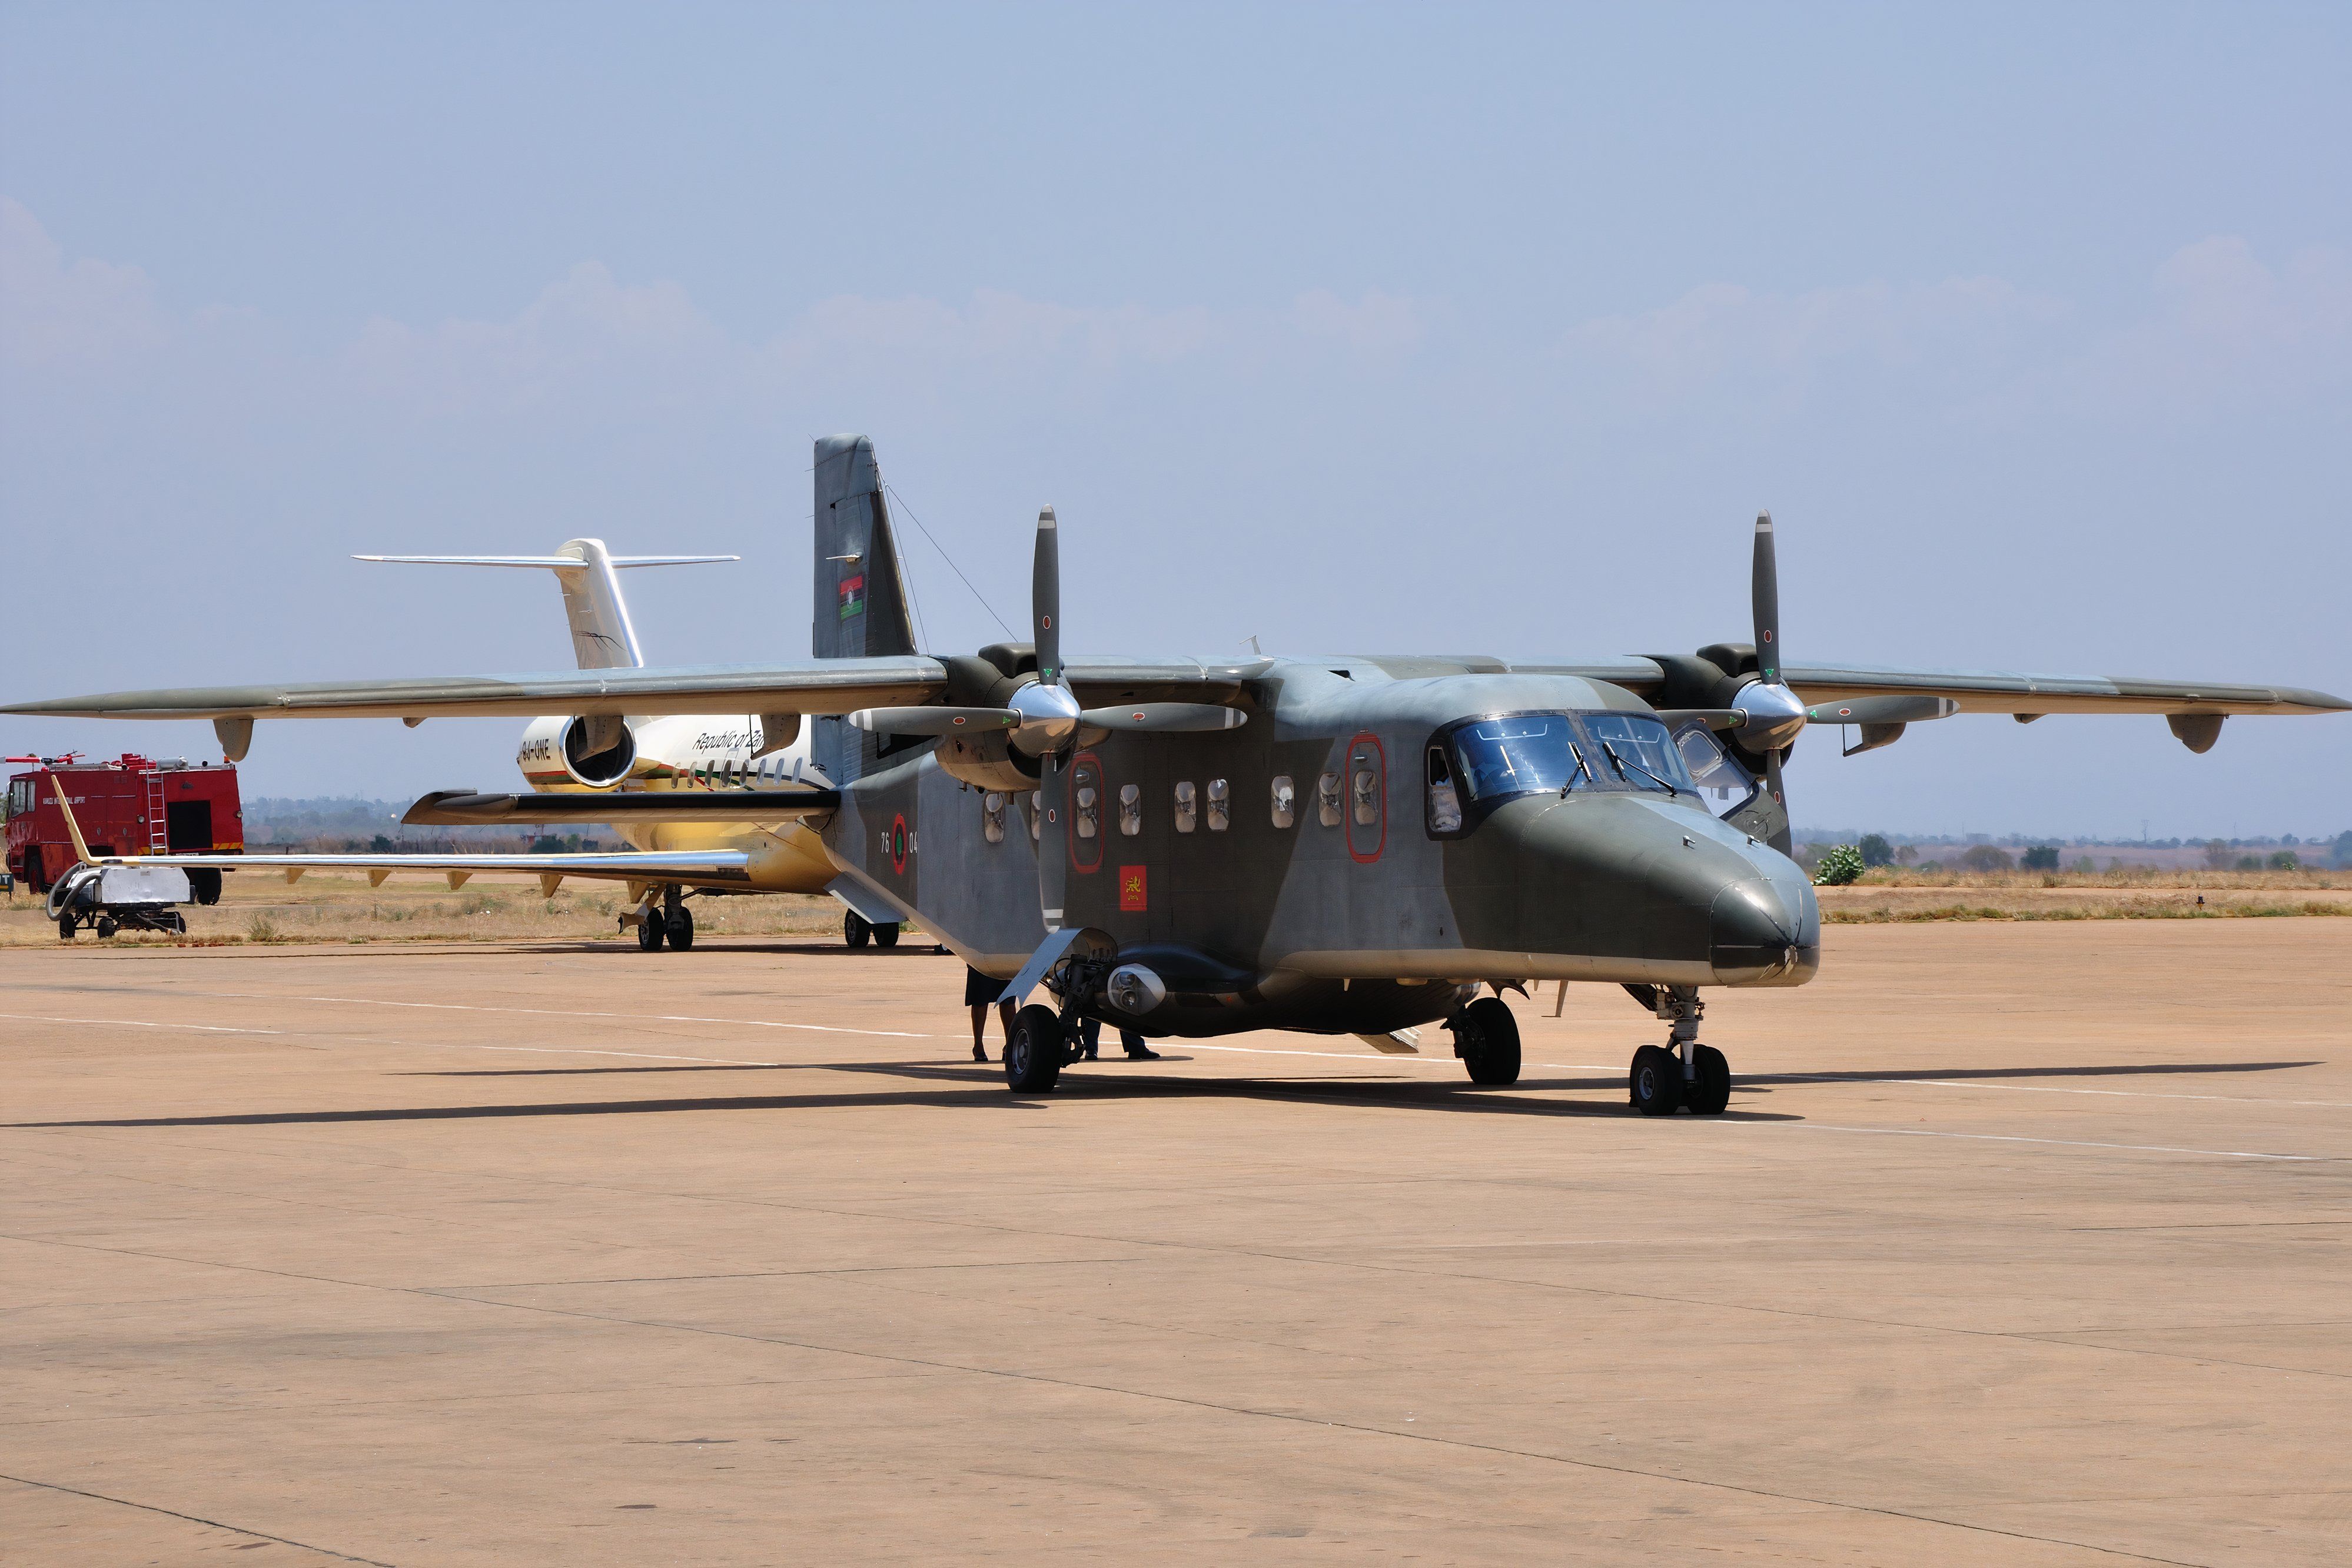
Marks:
<point>1760,932</point>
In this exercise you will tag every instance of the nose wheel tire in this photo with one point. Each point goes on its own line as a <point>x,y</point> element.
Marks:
<point>1711,1091</point>
<point>1487,1039</point>
<point>1655,1083</point>
<point>649,932</point>
<point>1033,1051</point>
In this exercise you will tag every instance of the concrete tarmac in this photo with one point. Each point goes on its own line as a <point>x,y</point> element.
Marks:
<point>2023,1244</point>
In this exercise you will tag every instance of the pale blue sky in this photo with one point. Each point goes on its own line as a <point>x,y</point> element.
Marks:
<point>1351,327</point>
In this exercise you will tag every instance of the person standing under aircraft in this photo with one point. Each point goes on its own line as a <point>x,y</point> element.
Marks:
<point>979,991</point>
<point>1090,1042</point>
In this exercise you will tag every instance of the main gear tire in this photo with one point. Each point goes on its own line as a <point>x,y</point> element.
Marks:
<point>680,929</point>
<point>1488,1038</point>
<point>649,931</point>
<point>1654,1084</point>
<point>886,936</point>
<point>854,930</point>
<point>1033,1051</point>
<point>1710,1092</point>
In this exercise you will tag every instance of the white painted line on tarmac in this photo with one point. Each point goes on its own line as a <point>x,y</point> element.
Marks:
<point>633,1056</point>
<point>2123,1093</point>
<point>2011,1138</point>
<point>138,1023</point>
<point>561,1013</point>
<point>1445,1064</point>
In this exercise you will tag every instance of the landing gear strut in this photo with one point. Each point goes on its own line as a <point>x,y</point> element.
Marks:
<point>1681,1072</point>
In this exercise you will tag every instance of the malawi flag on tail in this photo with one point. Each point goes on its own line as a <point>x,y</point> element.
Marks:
<point>853,595</point>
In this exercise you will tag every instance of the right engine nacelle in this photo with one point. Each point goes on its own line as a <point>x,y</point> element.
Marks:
<point>598,750</point>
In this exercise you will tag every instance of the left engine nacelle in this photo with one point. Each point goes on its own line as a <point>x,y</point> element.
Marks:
<point>598,750</point>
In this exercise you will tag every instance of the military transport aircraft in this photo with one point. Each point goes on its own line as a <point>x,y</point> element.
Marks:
<point>1353,844</point>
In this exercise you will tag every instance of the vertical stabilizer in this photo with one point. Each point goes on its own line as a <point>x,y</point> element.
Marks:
<point>601,637</point>
<point>861,595</point>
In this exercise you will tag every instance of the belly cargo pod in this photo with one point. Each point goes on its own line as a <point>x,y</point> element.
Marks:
<point>132,805</point>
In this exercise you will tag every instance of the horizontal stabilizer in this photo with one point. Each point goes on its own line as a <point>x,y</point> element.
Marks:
<point>551,563</point>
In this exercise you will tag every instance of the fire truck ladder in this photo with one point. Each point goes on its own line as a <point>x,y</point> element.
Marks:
<point>159,833</point>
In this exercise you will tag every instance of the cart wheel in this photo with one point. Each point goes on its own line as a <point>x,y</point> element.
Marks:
<point>106,927</point>
<point>179,923</point>
<point>65,928</point>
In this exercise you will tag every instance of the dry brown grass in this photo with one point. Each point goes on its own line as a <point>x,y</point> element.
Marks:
<point>258,908</point>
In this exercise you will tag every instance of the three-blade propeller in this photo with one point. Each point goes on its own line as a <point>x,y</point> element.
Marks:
<point>1043,720</point>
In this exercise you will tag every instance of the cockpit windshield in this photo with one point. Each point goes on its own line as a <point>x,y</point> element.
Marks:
<point>1639,750</point>
<point>1518,755</point>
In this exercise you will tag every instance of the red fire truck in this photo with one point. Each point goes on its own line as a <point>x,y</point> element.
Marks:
<point>128,806</point>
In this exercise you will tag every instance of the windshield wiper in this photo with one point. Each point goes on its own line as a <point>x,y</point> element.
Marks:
<point>1622,764</point>
<point>1582,767</point>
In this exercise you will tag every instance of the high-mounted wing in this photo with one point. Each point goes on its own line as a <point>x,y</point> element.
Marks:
<point>2005,692</point>
<point>806,686</point>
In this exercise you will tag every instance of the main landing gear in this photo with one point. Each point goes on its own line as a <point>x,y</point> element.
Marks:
<point>672,922</point>
<point>1665,1078</point>
<point>1487,1039</point>
<point>856,930</point>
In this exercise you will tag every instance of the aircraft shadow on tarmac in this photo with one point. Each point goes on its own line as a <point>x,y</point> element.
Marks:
<point>1084,1087</point>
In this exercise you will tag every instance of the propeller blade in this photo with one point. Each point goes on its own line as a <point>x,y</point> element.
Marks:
<point>1046,600</point>
<point>1783,839</point>
<point>1767,593</point>
<point>1164,716</point>
<point>934,721</point>
<point>1053,839</point>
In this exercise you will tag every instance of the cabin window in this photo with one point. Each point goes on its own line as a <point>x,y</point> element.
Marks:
<point>992,817</point>
<point>1286,801</point>
<point>1131,809</point>
<point>1220,805</point>
<point>1089,812</point>
<point>1368,795</point>
<point>1445,800</point>
<point>1326,800</point>
<point>1188,808</point>
<point>1037,814</point>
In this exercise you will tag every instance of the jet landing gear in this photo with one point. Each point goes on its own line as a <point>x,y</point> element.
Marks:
<point>672,921</point>
<point>1683,1072</point>
<point>1487,1039</point>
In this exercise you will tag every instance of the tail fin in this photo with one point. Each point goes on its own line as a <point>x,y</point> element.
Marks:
<point>601,637</point>
<point>861,597</point>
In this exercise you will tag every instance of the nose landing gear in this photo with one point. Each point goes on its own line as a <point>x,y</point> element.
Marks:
<point>1683,1072</point>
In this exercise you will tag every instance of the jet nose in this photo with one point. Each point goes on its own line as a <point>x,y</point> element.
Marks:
<point>1763,933</point>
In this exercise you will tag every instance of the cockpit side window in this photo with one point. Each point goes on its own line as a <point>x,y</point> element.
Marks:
<point>1725,785</point>
<point>1445,800</point>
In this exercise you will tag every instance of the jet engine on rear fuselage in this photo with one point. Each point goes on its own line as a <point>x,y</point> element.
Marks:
<point>595,751</point>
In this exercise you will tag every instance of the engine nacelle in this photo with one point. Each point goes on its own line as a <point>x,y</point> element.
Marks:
<point>987,761</point>
<point>598,750</point>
